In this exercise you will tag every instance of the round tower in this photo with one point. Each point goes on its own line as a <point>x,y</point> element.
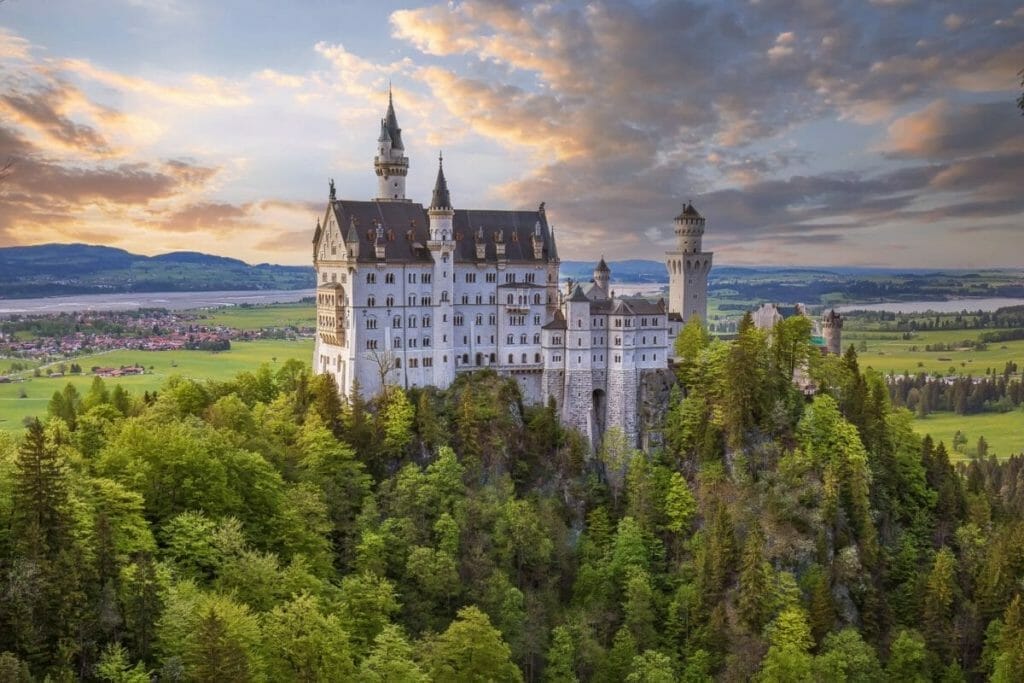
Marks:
<point>602,274</point>
<point>440,212</point>
<point>390,164</point>
<point>832,331</point>
<point>688,267</point>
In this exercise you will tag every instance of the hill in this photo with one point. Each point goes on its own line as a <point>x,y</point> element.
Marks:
<point>63,269</point>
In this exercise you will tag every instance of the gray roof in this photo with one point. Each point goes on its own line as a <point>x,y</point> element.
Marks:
<point>602,267</point>
<point>405,226</point>
<point>441,199</point>
<point>557,322</point>
<point>391,125</point>
<point>578,295</point>
<point>688,212</point>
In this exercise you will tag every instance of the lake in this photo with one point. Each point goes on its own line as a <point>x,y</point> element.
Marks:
<point>136,300</point>
<point>951,306</point>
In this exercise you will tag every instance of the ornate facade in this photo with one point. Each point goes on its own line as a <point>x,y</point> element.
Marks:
<point>411,296</point>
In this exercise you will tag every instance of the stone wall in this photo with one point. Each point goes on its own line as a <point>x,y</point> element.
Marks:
<point>622,401</point>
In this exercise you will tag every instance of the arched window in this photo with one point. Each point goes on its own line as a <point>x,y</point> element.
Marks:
<point>510,299</point>
<point>536,358</point>
<point>510,361</point>
<point>536,298</point>
<point>371,301</point>
<point>397,322</point>
<point>390,301</point>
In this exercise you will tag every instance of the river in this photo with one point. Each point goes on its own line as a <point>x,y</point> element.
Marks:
<point>135,300</point>
<point>951,306</point>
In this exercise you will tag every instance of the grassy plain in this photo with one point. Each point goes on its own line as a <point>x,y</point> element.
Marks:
<point>258,317</point>
<point>888,353</point>
<point>1004,432</point>
<point>159,366</point>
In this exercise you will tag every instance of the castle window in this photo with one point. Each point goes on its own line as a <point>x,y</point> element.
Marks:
<point>444,297</point>
<point>426,341</point>
<point>492,299</point>
<point>412,321</point>
<point>536,320</point>
<point>426,321</point>
<point>536,298</point>
<point>413,362</point>
<point>523,358</point>
<point>398,363</point>
<point>371,344</point>
<point>491,319</point>
<point>371,323</point>
<point>397,322</point>
<point>579,323</point>
<point>510,299</point>
<point>522,339</point>
<point>579,360</point>
<point>325,277</point>
<point>579,342</point>
<point>371,301</point>
<point>397,342</point>
<point>426,301</point>
<point>465,298</point>
<point>536,358</point>
<point>389,279</point>
<point>643,357</point>
<point>618,358</point>
<point>491,277</point>
<point>480,299</point>
<point>536,339</point>
<point>428,362</point>
<point>618,322</point>
<point>479,319</point>
<point>334,277</point>
<point>494,357</point>
<point>510,361</point>
<point>390,301</point>
<point>655,356</point>
<point>470,277</point>
<point>371,278</point>
<point>426,279</point>
<point>458,320</point>
<point>556,340</point>
<point>465,359</point>
<point>510,339</point>
<point>412,343</point>
<point>510,278</point>
<point>412,299</point>
<point>530,277</point>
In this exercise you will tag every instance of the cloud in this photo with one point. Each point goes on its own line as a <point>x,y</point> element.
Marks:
<point>943,130</point>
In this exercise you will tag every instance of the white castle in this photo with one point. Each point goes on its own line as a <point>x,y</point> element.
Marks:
<point>411,297</point>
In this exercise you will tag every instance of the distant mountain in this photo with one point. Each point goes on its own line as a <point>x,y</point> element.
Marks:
<point>63,269</point>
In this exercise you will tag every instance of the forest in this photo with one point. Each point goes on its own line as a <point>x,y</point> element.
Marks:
<point>262,529</point>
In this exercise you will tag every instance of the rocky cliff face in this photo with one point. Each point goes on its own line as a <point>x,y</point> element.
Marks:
<point>652,407</point>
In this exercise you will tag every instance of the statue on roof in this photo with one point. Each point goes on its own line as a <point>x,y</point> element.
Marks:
<point>331,186</point>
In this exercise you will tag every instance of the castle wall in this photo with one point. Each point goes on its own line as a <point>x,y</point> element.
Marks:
<point>622,400</point>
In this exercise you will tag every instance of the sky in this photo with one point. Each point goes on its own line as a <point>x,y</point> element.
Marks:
<point>808,132</point>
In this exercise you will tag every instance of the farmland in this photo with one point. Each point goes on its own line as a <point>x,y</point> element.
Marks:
<point>159,366</point>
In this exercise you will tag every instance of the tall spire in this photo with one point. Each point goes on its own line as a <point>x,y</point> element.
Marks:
<point>441,198</point>
<point>391,122</point>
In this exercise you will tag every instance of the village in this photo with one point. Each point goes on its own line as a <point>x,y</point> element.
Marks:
<point>46,345</point>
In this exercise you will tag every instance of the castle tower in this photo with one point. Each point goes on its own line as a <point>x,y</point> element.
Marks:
<point>390,164</point>
<point>832,330</point>
<point>688,267</point>
<point>577,409</point>
<point>602,274</point>
<point>442,247</point>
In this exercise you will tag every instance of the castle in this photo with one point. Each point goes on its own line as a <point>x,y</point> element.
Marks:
<point>411,296</point>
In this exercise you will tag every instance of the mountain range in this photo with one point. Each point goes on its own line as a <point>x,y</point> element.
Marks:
<point>63,269</point>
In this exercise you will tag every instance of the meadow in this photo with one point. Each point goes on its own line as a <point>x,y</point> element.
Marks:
<point>159,366</point>
<point>1004,432</point>
<point>259,317</point>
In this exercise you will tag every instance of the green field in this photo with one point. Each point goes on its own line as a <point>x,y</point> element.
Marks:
<point>196,364</point>
<point>1003,431</point>
<point>258,317</point>
<point>888,353</point>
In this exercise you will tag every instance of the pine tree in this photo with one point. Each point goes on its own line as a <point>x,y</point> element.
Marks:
<point>218,658</point>
<point>754,582</point>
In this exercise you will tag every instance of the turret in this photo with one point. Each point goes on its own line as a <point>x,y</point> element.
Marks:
<point>602,274</point>
<point>440,211</point>
<point>688,267</point>
<point>832,331</point>
<point>689,229</point>
<point>390,164</point>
